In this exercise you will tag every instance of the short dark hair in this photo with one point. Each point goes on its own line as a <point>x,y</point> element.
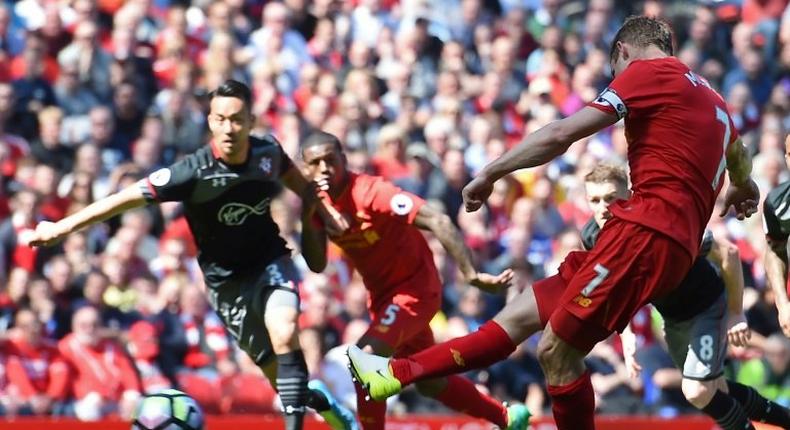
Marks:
<point>232,88</point>
<point>643,31</point>
<point>608,172</point>
<point>318,137</point>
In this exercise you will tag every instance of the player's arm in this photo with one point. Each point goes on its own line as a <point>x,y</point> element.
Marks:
<point>313,238</point>
<point>536,149</point>
<point>442,227</point>
<point>775,262</point>
<point>725,254</point>
<point>628,340</point>
<point>50,233</point>
<point>742,194</point>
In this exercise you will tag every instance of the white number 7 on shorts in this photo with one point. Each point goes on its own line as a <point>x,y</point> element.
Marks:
<point>602,272</point>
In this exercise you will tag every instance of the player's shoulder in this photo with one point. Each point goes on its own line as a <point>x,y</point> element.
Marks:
<point>365,183</point>
<point>778,197</point>
<point>590,233</point>
<point>264,141</point>
<point>707,243</point>
<point>200,159</point>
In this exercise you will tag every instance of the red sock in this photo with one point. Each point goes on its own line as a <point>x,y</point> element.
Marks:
<point>372,414</point>
<point>461,395</point>
<point>574,404</point>
<point>482,348</point>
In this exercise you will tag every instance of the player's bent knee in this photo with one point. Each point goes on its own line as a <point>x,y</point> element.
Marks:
<point>698,393</point>
<point>519,322</point>
<point>547,351</point>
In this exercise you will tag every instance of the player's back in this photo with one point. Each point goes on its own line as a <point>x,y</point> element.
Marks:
<point>677,129</point>
<point>387,250</point>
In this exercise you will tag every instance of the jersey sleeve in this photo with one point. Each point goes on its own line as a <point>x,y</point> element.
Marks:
<point>629,94</point>
<point>285,161</point>
<point>774,235</point>
<point>174,183</point>
<point>387,199</point>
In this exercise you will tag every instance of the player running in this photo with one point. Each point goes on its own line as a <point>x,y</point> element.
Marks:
<point>694,317</point>
<point>776,217</point>
<point>226,188</point>
<point>386,246</point>
<point>680,139</point>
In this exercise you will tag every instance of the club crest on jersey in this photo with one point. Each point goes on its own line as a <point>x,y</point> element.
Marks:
<point>236,213</point>
<point>160,178</point>
<point>401,204</point>
<point>265,165</point>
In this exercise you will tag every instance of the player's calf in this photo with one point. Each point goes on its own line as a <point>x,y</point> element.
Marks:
<point>715,403</point>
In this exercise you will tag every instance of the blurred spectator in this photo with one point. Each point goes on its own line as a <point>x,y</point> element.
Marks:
<point>105,379</point>
<point>48,148</point>
<point>144,348</point>
<point>25,213</point>
<point>770,375</point>
<point>36,372</point>
<point>208,358</point>
<point>91,61</point>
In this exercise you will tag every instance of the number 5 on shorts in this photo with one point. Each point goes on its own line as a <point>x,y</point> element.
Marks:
<point>390,314</point>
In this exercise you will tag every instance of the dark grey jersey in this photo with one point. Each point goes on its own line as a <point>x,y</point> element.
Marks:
<point>227,206</point>
<point>776,218</point>
<point>698,290</point>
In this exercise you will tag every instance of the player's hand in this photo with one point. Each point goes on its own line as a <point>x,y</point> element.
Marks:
<point>784,318</point>
<point>313,193</point>
<point>476,193</point>
<point>738,331</point>
<point>494,284</point>
<point>46,234</point>
<point>743,198</point>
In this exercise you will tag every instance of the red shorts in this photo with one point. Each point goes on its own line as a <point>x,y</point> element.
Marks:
<point>598,292</point>
<point>401,320</point>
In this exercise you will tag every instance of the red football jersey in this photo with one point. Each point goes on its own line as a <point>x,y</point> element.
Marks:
<point>386,248</point>
<point>677,129</point>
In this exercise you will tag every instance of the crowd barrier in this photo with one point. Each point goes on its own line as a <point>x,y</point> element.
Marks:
<point>416,422</point>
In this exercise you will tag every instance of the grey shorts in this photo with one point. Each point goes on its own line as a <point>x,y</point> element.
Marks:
<point>698,345</point>
<point>243,301</point>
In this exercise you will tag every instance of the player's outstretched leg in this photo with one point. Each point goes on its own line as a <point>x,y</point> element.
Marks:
<point>493,342</point>
<point>715,403</point>
<point>460,394</point>
<point>383,377</point>
<point>335,414</point>
<point>757,407</point>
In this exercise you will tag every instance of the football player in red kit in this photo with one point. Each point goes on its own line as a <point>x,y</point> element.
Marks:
<point>680,140</point>
<point>388,249</point>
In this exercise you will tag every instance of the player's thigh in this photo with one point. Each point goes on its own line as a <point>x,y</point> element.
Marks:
<point>530,310</point>
<point>233,303</point>
<point>276,301</point>
<point>699,345</point>
<point>401,319</point>
<point>629,266</point>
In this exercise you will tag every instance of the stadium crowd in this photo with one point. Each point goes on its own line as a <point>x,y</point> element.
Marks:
<point>95,95</point>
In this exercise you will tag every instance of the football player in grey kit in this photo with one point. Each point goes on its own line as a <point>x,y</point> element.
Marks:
<point>251,281</point>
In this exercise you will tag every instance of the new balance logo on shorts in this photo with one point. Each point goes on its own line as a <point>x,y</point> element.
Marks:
<point>582,301</point>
